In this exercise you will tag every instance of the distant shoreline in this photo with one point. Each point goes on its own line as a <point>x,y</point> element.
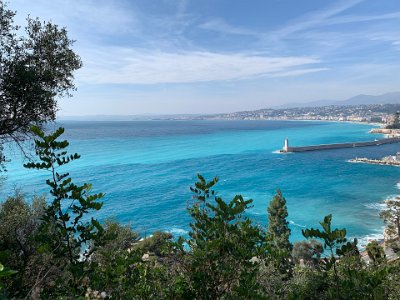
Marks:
<point>211,119</point>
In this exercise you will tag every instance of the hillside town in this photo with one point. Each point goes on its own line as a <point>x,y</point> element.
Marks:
<point>373,113</point>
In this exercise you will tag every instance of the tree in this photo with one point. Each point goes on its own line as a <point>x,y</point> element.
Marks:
<point>64,218</point>
<point>35,68</point>
<point>391,217</point>
<point>336,244</point>
<point>225,247</point>
<point>375,252</point>
<point>156,244</point>
<point>118,269</point>
<point>19,223</point>
<point>307,253</point>
<point>279,231</point>
<point>278,227</point>
<point>4,272</point>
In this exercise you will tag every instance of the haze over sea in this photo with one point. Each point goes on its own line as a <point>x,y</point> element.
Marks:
<point>145,169</point>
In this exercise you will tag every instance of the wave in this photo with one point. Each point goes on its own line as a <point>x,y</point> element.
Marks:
<point>377,206</point>
<point>295,224</point>
<point>146,237</point>
<point>364,240</point>
<point>256,212</point>
<point>392,198</point>
<point>398,185</point>
<point>381,205</point>
<point>178,231</point>
<point>279,152</point>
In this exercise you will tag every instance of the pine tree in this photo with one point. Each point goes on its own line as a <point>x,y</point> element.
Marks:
<point>278,227</point>
<point>278,235</point>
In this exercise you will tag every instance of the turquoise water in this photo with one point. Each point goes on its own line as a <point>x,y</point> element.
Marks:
<point>145,169</point>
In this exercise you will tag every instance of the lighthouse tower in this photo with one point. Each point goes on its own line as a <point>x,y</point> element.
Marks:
<point>286,145</point>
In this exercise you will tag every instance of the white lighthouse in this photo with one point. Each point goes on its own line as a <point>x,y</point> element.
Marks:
<point>286,145</point>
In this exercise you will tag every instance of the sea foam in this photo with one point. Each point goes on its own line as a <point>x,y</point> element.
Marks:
<point>366,239</point>
<point>178,231</point>
<point>377,206</point>
<point>295,224</point>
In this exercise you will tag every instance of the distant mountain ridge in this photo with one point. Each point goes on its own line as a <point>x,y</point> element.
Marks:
<point>388,98</point>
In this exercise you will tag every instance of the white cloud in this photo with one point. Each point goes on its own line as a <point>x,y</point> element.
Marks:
<point>393,38</point>
<point>299,72</point>
<point>127,66</point>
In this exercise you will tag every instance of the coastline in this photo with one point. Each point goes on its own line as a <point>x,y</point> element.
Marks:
<point>288,120</point>
<point>307,131</point>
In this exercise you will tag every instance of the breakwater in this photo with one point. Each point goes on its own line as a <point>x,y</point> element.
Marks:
<point>384,161</point>
<point>389,132</point>
<point>287,148</point>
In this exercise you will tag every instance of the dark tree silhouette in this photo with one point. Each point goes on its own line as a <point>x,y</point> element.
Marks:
<point>35,69</point>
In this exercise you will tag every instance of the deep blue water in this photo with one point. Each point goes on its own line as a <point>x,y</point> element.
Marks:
<point>145,169</point>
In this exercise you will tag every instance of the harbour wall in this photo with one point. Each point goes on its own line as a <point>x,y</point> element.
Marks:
<point>342,145</point>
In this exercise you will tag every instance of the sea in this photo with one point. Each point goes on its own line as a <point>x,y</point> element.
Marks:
<point>145,169</point>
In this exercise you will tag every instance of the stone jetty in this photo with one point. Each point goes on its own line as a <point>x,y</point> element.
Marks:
<point>286,148</point>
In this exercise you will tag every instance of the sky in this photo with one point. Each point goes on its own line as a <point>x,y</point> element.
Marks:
<point>211,56</point>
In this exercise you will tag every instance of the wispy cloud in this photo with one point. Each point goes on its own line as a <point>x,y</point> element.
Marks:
<point>220,25</point>
<point>316,18</point>
<point>222,54</point>
<point>361,18</point>
<point>298,72</point>
<point>316,32</point>
<point>82,18</point>
<point>391,37</point>
<point>126,66</point>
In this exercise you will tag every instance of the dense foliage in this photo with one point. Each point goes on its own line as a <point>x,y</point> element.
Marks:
<point>56,249</point>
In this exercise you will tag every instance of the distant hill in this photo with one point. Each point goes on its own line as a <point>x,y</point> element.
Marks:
<point>356,100</point>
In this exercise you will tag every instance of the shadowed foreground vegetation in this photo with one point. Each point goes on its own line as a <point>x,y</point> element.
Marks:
<point>54,248</point>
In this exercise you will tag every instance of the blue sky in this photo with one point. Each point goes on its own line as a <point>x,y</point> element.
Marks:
<point>206,56</point>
